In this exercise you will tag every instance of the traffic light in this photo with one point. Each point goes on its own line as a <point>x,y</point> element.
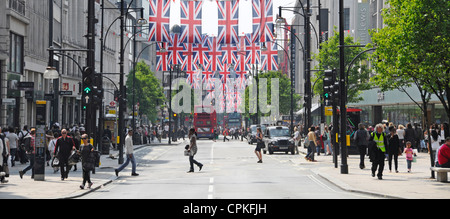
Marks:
<point>175,115</point>
<point>328,82</point>
<point>88,81</point>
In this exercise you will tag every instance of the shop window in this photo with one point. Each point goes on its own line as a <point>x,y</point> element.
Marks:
<point>16,54</point>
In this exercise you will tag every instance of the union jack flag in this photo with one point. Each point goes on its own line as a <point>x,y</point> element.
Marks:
<point>191,21</point>
<point>229,55</point>
<point>214,55</point>
<point>188,58</point>
<point>262,20</point>
<point>255,52</point>
<point>159,20</point>
<point>176,50</point>
<point>201,53</point>
<point>243,55</point>
<point>270,57</point>
<point>228,17</point>
<point>161,57</point>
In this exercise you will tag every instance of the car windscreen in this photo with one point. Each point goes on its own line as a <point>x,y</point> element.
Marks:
<point>279,133</point>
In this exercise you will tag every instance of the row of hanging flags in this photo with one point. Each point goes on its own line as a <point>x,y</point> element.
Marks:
<point>203,57</point>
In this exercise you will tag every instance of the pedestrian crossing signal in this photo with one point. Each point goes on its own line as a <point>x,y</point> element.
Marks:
<point>87,90</point>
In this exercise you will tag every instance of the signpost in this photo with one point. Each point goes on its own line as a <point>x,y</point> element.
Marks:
<point>39,142</point>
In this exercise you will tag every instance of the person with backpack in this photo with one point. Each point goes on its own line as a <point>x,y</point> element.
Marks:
<point>29,147</point>
<point>20,149</point>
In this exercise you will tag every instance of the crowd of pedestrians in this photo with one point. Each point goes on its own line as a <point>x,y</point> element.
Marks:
<point>19,146</point>
<point>386,142</point>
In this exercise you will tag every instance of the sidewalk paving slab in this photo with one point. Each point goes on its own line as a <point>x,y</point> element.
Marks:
<point>415,185</point>
<point>54,188</point>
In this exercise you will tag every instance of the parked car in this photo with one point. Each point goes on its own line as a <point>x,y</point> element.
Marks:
<point>278,139</point>
<point>251,138</point>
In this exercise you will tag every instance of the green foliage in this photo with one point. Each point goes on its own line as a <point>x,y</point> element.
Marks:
<point>148,91</point>
<point>285,93</point>
<point>414,47</point>
<point>328,59</point>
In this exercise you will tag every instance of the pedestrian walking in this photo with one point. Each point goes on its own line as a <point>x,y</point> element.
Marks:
<point>312,144</point>
<point>401,136</point>
<point>63,149</point>
<point>3,153</point>
<point>435,143</point>
<point>30,151</point>
<point>129,155</point>
<point>225,133</point>
<point>362,140</point>
<point>377,150</point>
<point>259,144</point>
<point>87,160</point>
<point>51,149</point>
<point>393,148</point>
<point>296,139</point>
<point>193,151</point>
<point>13,143</point>
<point>409,155</point>
<point>326,137</point>
<point>410,135</point>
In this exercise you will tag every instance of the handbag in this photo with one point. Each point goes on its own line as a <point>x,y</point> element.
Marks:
<point>306,142</point>
<point>187,153</point>
<point>55,162</point>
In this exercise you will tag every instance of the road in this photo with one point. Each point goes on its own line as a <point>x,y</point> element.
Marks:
<point>230,171</point>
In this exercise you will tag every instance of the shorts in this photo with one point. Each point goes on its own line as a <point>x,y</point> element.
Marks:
<point>259,146</point>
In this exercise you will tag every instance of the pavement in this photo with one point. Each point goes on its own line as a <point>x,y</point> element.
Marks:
<point>54,188</point>
<point>417,184</point>
<point>403,185</point>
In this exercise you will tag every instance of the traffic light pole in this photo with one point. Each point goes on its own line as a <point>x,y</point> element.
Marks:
<point>343,93</point>
<point>122,102</point>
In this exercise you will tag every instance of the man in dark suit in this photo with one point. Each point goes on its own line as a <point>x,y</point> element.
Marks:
<point>63,148</point>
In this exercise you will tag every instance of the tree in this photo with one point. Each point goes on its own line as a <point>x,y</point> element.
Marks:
<point>148,91</point>
<point>285,93</point>
<point>414,48</point>
<point>328,59</point>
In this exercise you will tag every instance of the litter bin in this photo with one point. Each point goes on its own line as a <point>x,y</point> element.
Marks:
<point>106,143</point>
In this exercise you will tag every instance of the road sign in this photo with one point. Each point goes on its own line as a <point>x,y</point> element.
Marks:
<point>328,111</point>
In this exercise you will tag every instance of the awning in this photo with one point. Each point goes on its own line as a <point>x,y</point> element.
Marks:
<point>314,107</point>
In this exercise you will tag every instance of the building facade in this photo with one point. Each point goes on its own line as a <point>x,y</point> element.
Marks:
<point>24,57</point>
<point>360,16</point>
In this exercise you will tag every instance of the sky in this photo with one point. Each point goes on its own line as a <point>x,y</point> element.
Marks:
<point>245,13</point>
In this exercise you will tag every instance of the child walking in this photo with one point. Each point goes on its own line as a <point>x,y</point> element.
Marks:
<point>409,155</point>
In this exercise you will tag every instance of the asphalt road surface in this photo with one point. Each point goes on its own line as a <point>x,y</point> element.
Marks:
<point>230,171</point>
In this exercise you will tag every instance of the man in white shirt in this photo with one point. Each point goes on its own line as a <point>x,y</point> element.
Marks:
<point>129,155</point>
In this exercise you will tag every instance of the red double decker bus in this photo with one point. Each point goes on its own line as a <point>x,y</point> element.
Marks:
<point>205,121</point>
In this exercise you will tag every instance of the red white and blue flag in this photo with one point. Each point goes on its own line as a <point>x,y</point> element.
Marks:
<point>159,19</point>
<point>269,57</point>
<point>176,50</point>
<point>262,21</point>
<point>191,21</point>
<point>162,57</point>
<point>228,19</point>
<point>214,55</point>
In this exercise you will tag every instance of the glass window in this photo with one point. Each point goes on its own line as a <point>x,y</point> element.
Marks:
<point>16,54</point>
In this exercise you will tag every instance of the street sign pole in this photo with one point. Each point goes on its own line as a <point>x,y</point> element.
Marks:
<point>39,142</point>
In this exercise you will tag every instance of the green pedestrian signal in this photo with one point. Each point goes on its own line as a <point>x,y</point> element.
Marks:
<point>87,90</point>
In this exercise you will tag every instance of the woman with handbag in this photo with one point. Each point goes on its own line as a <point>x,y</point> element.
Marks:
<point>193,150</point>
<point>259,144</point>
